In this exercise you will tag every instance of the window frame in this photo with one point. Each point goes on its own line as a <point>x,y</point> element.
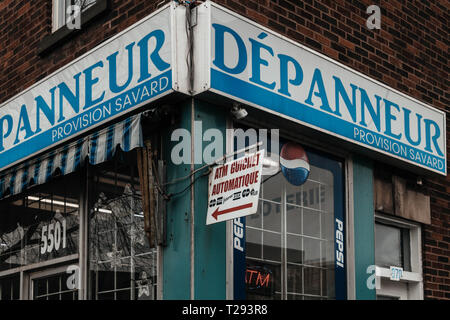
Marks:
<point>37,274</point>
<point>58,14</point>
<point>61,34</point>
<point>59,9</point>
<point>413,278</point>
<point>405,245</point>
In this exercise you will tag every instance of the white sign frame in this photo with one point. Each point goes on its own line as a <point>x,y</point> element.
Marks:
<point>30,127</point>
<point>430,155</point>
<point>234,188</point>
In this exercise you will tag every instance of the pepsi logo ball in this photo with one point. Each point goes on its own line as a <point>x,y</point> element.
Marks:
<point>294,163</point>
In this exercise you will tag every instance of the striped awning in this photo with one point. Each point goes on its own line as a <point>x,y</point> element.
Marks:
<point>97,147</point>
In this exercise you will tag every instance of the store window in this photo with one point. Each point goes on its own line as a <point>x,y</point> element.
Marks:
<point>52,285</point>
<point>63,8</point>
<point>40,226</point>
<point>291,249</point>
<point>38,229</point>
<point>398,246</point>
<point>123,265</point>
<point>81,235</point>
<point>392,246</point>
<point>40,237</point>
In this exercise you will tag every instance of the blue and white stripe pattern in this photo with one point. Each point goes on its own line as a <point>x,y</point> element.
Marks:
<point>98,147</point>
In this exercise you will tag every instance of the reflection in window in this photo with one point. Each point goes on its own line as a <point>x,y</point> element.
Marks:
<point>123,266</point>
<point>54,287</point>
<point>292,237</point>
<point>10,288</point>
<point>61,8</point>
<point>41,225</point>
<point>392,246</point>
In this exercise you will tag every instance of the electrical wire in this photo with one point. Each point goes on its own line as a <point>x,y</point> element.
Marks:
<point>190,185</point>
<point>267,179</point>
<point>222,158</point>
<point>167,196</point>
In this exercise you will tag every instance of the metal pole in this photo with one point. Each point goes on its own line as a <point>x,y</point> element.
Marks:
<point>192,238</point>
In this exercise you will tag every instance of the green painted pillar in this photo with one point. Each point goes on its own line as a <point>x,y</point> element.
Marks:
<point>176,255</point>
<point>210,240</point>
<point>364,226</point>
<point>206,250</point>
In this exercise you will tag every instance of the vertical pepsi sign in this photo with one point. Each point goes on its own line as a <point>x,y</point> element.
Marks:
<point>239,263</point>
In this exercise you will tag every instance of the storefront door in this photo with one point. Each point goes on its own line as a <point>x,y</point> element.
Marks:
<point>293,246</point>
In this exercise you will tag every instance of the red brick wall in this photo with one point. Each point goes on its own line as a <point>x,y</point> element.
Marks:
<point>409,53</point>
<point>24,24</point>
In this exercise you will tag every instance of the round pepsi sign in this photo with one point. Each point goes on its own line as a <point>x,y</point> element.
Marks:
<point>294,163</point>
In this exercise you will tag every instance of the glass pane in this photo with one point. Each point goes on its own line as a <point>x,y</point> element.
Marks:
<point>388,247</point>
<point>255,220</point>
<point>293,194</point>
<point>294,279</point>
<point>271,246</point>
<point>311,223</point>
<point>328,283</point>
<point>271,216</point>
<point>105,279</point>
<point>294,249</point>
<point>311,194</point>
<point>254,243</point>
<point>271,189</point>
<point>294,219</point>
<point>106,296</point>
<point>53,284</point>
<point>311,251</point>
<point>123,295</point>
<point>312,280</point>
<point>123,279</point>
<point>53,297</point>
<point>144,277</point>
<point>40,287</point>
<point>328,253</point>
<point>327,225</point>
<point>85,4</point>
<point>53,287</point>
<point>123,266</point>
<point>263,280</point>
<point>68,296</point>
<point>406,250</point>
<point>16,288</point>
<point>326,192</point>
<point>41,225</point>
<point>10,288</point>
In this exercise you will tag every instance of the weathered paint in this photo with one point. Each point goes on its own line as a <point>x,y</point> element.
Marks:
<point>364,226</point>
<point>210,240</point>
<point>176,256</point>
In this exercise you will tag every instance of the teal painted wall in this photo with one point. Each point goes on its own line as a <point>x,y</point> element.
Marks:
<point>176,256</point>
<point>209,241</point>
<point>364,226</point>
